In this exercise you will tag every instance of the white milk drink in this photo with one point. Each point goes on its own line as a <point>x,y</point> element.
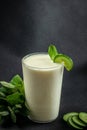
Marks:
<point>42,83</point>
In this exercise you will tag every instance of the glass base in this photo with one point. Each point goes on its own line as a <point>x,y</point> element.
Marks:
<point>39,121</point>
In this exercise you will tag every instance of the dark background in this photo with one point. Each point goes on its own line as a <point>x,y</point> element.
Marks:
<point>28,26</point>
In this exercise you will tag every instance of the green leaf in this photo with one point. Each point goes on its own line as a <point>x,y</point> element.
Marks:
<point>6,90</point>
<point>3,101</point>
<point>2,94</point>
<point>2,120</point>
<point>52,51</point>
<point>12,99</point>
<point>3,90</point>
<point>18,106</point>
<point>60,58</point>
<point>12,114</point>
<point>4,113</point>
<point>7,85</point>
<point>15,98</point>
<point>24,111</point>
<point>18,82</point>
<point>3,107</point>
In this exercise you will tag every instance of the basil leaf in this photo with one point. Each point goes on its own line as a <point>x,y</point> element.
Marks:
<point>7,85</point>
<point>52,51</point>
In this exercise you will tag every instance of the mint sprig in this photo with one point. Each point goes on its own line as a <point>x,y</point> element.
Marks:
<point>12,99</point>
<point>52,51</point>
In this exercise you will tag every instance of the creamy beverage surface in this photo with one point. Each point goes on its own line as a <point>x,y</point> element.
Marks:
<point>41,61</point>
<point>42,83</point>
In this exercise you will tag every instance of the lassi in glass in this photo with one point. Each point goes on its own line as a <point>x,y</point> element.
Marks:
<point>42,84</point>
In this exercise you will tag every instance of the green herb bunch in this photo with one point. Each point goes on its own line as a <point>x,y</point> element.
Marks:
<point>12,100</point>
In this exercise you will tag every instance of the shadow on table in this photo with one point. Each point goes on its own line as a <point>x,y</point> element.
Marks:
<point>21,122</point>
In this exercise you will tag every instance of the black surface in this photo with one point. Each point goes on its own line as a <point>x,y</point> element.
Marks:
<point>28,26</point>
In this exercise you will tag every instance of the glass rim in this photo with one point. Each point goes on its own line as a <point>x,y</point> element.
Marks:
<point>42,68</point>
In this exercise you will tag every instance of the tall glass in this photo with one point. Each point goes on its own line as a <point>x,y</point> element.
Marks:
<point>42,84</point>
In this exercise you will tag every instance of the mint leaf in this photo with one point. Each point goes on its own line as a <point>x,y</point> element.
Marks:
<point>2,107</point>
<point>15,98</point>
<point>12,99</point>
<point>18,106</point>
<point>2,94</point>
<point>52,51</point>
<point>4,90</point>
<point>3,101</point>
<point>7,85</point>
<point>12,114</point>
<point>18,82</point>
<point>1,120</point>
<point>4,113</point>
<point>24,111</point>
